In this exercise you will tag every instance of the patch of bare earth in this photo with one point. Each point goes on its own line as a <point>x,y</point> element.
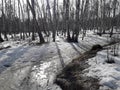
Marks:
<point>72,78</point>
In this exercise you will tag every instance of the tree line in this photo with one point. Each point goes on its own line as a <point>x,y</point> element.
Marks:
<point>52,17</point>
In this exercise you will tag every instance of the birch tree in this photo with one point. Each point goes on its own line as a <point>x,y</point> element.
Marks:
<point>35,23</point>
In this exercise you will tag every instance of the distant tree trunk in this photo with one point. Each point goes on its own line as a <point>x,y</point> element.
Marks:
<point>57,18</point>
<point>104,17</point>
<point>54,21</point>
<point>23,22</point>
<point>63,18</point>
<point>101,20</point>
<point>41,37</point>
<point>77,21</point>
<point>32,8</point>
<point>34,17</point>
<point>28,17</point>
<point>67,4</point>
<point>19,22</point>
<point>85,18</point>
<point>43,21</point>
<point>1,39</point>
<point>113,19</point>
<point>5,35</point>
<point>4,22</point>
<point>97,14</point>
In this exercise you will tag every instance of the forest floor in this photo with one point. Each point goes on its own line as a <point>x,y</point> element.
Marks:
<point>105,66</point>
<point>34,67</point>
<point>72,77</point>
<point>96,69</point>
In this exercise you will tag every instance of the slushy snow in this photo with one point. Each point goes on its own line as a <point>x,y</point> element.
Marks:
<point>108,74</point>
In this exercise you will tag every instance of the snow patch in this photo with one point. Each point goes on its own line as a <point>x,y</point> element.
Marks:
<point>109,74</point>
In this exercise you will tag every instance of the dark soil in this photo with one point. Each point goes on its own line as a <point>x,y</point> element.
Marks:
<point>7,65</point>
<point>96,47</point>
<point>111,61</point>
<point>71,77</point>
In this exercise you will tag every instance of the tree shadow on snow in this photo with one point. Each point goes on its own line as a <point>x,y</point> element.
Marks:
<point>98,39</point>
<point>82,46</point>
<point>75,48</point>
<point>60,55</point>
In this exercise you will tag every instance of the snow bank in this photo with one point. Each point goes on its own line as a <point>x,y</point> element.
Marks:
<point>109,74</point>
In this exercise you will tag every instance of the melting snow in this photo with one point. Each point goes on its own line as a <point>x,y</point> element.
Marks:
<point>35,67</point>
<point>109,74</point>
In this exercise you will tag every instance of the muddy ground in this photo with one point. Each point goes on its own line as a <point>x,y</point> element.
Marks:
<point>71,77</point>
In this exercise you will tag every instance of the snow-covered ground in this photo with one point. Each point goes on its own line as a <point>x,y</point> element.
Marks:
<point>34,67</point>
<point>108,73</point>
